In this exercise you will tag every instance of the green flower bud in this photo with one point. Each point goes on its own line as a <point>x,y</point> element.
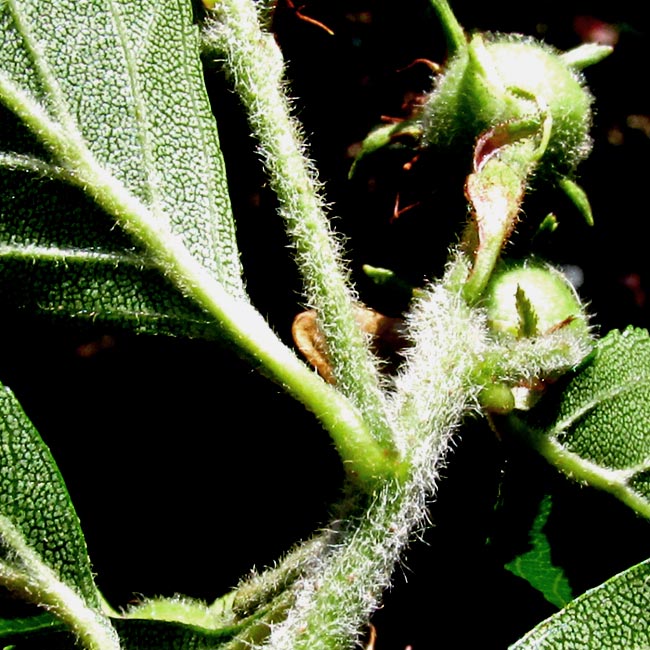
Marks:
<point>520,86</point>
<point>539,332</point>
<point>497,398</point>
<point>533,299</point>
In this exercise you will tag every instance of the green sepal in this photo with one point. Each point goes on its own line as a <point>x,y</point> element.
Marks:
<point>578,197</point>
<point>528,320</point>
<point>585,55</point>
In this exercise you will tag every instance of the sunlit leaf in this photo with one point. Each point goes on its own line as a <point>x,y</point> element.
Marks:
<point>613,615</point>
<point>43,556</point>
<point>596,426</point>
<point>34,498</point>
<point>117,87</point>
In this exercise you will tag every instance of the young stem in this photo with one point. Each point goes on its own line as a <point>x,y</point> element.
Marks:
<point>260,589</point>
<point>255,64</point>
<point>432,394</point>
<point>456,39</point>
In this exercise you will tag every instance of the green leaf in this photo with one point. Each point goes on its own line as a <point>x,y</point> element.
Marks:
<point>114,93</point>
<point>38,632</point>
<point>82,267</point>
<point>43,555</point>
<point>146,634</point>
<point>118,288</point>
<point>613,615</point>
<point>596,427</point>
<point>536,565</point>
<point>18,630</point>
<point>34,498</point>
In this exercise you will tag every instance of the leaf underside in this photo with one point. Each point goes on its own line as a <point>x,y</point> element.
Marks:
<point>123,81</point>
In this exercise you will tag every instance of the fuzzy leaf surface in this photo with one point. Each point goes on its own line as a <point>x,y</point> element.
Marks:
<point>613,615</point>
<point>46,631</point>
<point>33,497</point>
<point>121,82</point>
<point>596,426</point>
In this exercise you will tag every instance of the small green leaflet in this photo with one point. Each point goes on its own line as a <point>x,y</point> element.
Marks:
<point>536,567</point>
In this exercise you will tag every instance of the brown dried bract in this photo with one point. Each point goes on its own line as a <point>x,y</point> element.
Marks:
<point>386,337</point>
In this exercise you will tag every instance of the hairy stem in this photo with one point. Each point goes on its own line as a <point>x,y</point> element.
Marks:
<point>456,39</point>
<point>256,67</point>
<point>432,394</point>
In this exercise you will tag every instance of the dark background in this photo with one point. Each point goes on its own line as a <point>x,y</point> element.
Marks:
<point>174,499</point>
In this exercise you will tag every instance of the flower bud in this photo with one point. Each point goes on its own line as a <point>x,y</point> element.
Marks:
<point>512,81</point>
<point>539,332</point>
<point>532,299</point>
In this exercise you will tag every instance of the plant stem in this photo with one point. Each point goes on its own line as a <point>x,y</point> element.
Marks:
<point>260,589</point>
<point>580,469</point>
<point>364,459</point>
<point>456,39</point>
<point>433,393</point>
<point>255,64</point>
